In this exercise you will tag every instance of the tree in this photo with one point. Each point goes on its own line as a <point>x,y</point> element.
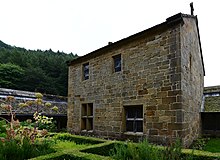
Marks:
<point>10,75</point>
<point>43,71</point>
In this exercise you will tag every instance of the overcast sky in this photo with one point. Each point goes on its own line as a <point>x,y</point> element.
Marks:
<point>81,26</point>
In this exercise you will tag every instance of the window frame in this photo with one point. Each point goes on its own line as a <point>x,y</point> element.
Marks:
<point>135,119</point>
<point>87,115</point>
<point>84,77</point>
<point>115,68</point>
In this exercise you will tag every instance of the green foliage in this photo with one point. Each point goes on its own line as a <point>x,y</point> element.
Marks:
<point>10,75</point>
<point>71,155</point>
<point>16,151</point>
<point>146,151</point>
<point>2,126</point>
<point>4,45</point>
<point>174,152</point>
<point>101,148</point>
<point>143,150</point>
<point>213,145</point>
<point>51,127</point>
<point>68,157</point>
<point>133,151</point>
<point>79,139</point>
<point>42,71</point>
<point>15,131</point>
<point>62,145</point>
<point>199,143</point>
<point>200,155</point>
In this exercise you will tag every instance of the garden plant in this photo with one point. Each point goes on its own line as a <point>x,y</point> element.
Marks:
<point>24,141</point>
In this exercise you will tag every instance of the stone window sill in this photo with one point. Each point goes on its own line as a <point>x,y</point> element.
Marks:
<point>88,131</point>
<point>134,133</point>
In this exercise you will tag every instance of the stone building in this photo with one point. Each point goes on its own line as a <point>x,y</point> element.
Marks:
<point>147,85</point>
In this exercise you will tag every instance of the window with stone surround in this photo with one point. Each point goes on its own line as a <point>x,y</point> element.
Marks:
<point>134,118</point>
<point>117,63</point>
<point>87,117</point>
<point>85,71</point>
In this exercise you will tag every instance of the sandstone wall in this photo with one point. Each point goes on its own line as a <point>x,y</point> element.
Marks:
<point>150,77</point>
<point>192,81</point>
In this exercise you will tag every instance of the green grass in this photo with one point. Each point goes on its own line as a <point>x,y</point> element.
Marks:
<point>213,145</point>
<point>62,145</point>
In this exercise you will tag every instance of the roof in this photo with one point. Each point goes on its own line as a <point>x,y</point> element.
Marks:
<point>24,96</point>
<point>171,21</point>
<point>211,90</point>
<point>212,99</point>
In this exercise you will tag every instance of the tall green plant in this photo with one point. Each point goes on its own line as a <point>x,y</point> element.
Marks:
<point>146,151</point>
<point>11,150</point>
<point>133,151</point>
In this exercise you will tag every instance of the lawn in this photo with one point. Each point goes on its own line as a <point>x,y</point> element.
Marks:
<point>213,145</point>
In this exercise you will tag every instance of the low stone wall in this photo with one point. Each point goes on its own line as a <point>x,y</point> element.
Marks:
<point>23,96</point>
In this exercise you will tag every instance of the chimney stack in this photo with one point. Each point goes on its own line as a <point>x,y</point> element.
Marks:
<point>192,8</point>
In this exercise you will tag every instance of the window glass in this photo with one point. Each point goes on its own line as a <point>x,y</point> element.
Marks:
<point>117,63</point>
<point>134,118</point>
<point>86,71</point>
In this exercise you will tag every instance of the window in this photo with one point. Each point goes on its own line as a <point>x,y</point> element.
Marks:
<point>86,71</point>
<point>87,117</point>
<point>117,63</point>
<point>134,118</point>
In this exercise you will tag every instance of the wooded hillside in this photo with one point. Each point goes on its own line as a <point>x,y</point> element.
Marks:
<point>30,70</point>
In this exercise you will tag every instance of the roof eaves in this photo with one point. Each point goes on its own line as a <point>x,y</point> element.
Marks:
<point>200,46</point>
<point>171,21</point>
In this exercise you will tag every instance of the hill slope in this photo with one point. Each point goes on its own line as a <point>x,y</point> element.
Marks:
<point>30,70</point>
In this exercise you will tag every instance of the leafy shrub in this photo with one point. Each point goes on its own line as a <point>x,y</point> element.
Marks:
<point>173,152</point>
<point>68,157</point>
<point>200,155</point>
<point>199,143</point>
<point>2,126</point>
<point>100,149</point>
<point>133,151</point>
<point>146,151</point>
<point>79,139</point>
<point>16,151</point>
<point>51,127</point>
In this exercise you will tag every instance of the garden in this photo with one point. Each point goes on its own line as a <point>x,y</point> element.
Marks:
<point>34,139</point>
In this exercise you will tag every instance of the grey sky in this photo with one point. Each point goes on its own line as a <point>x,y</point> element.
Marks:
<point>83,26</point>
